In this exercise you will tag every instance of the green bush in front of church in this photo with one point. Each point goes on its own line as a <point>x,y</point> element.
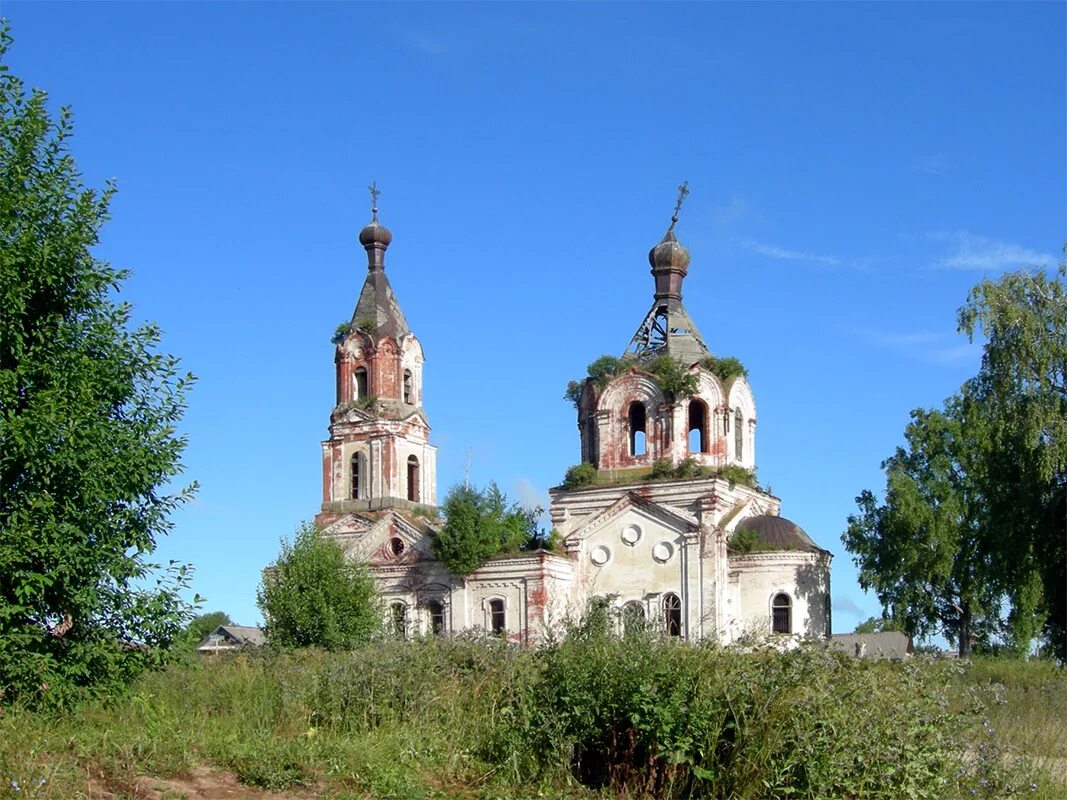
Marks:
<point>312,596</point>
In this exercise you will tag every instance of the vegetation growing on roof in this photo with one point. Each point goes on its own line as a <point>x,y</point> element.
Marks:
<point>583,474</point>
<point>341,332</point>
<point>479,524</point>
<point>367,325</point>
<point>361,404</point>
<point>745,540</point>
<point>725,368</point>
<point>599,373</point>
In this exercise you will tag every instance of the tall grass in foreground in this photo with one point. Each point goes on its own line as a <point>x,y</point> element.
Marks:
<point>590,716</point>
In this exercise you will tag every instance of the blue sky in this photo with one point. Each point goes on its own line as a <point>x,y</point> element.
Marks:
<point>854,168</point>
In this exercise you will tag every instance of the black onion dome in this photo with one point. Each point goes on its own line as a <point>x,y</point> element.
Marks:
<point>375,234</point>
<point>669,253</point>
<point>779,533</point>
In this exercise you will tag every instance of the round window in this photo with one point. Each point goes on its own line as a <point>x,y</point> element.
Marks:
<point>662,552</point>
<point>600,555</point>
<point>631,535</point>
<point>396,546</point>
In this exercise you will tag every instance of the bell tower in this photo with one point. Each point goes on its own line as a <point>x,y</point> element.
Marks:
<point>378,453</point>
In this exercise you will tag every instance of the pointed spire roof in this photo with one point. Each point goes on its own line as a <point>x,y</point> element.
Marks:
<point>667,327</point>
<point>377,303</point>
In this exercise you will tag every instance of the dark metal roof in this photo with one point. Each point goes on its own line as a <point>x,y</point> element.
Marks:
<point>779,533</point>
<point>377,304</point>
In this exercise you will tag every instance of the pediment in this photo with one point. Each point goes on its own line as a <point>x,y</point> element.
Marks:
<point>389,540</point>
<point>749,508</point>
<point>632,502</point>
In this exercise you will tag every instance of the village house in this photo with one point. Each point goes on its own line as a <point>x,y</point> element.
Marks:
<point>699,552</point>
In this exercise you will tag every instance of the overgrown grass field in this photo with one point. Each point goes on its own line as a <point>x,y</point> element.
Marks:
<point>593,716</point>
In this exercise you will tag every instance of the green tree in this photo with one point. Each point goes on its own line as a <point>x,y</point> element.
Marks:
<point>479,524</point>
<point>88,409</point>
<point>878,625</point>
<point>926,550</point>
<point>203,624</point>
<point>312,596</point>
<point>1022,391</point>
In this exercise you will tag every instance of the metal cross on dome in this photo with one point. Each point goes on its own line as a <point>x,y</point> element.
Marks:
<point>374,200</point>
<point>683,190</point>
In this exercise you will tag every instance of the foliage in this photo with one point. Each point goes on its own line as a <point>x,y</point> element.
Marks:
<point>88,409</point>
<point>479,524</point>
<point>688,468</point>
<point>735,474</point>
<point>367,325</point>
<point>661,468</point>
<point>313,596</point>
<point>203,624</point>
<point>924,550</point>
<point>341,332</point>
<point>725,368</point>
<point>972,537</point>
<point>744,540</point>
<point>1021,391</point>
<point>672,377</point>
<point>599,373</point>
<point>461,717</point>
<point>584,474</point>
<point>879,625</point>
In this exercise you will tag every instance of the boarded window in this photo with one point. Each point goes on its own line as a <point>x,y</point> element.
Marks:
<point>413,479</point>
<point>409,388</point>
<point>781,611</point>
<point>672,615</point>
<point>637,429</point>
<point>698,426</point>
<point>498,622</point>
<point>437,617</point>
<point>739,434</point>
<point>359,476</point>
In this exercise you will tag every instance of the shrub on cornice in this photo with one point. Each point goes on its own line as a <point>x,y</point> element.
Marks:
<point>672,377</point>
<point>725,368</point>
<point>735,474</point>
<point>479,524</point>
<point>583,474</point>
<point>599,373</point>
<point>341,332</point>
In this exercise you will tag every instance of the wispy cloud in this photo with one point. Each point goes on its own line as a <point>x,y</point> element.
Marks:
<point>934,164</point>
<point>736,210</point>
<point>784,254</point>
<point>929,347</point>
<point>968,251</point>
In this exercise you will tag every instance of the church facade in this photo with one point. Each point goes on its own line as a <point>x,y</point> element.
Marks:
<point>668,533</point>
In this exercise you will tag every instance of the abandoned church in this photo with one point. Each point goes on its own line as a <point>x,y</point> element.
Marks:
<point>665,530</point>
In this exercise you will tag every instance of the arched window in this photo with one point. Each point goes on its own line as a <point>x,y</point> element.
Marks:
<point>359,476</point>
<point>359,383</point>
<point>698,426</point>
<point>633,618</point>
<point>739,434</point>
<point>437,616</point>
<point>781,611</point>
<point>409,388</point>
<point>672,614</point>
<point>637,429</point>
<point>413,479</point>
<point>398,619</point>
<point>498,622</point>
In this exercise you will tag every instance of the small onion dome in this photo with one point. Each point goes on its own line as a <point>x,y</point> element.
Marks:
<point>778,533</point>
<point>375,234</point>
<point>669,253</point>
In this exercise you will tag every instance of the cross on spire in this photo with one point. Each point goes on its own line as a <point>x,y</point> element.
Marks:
<point>374,201</point>
<point>683,190</point>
